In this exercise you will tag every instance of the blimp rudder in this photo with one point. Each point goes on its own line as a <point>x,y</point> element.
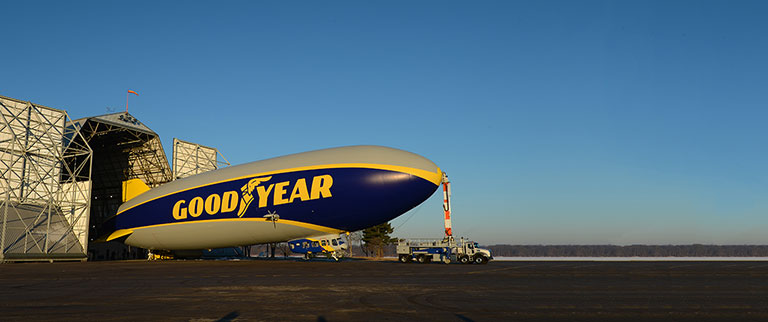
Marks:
<point>133,188</point>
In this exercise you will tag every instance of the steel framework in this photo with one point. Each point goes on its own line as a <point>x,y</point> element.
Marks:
<point>190,159</point>
<point>45,188</point>
<point>123,148</point>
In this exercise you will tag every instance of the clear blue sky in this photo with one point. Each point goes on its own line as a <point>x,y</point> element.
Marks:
<point>558,122</point>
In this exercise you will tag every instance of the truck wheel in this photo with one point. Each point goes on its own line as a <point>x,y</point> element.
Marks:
<point>421,259</point>
<point>405,258</point>
<point>464,259</point>
<point>480,259</point>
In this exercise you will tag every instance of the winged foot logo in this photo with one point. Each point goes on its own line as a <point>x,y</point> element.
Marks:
<point>228,201</point>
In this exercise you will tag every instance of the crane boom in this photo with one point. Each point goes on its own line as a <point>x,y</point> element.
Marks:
<point>447,205</point>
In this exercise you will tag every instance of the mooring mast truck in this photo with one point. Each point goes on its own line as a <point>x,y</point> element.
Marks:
<point>447,249</point>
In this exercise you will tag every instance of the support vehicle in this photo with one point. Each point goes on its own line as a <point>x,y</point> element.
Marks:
<point>446,250</point>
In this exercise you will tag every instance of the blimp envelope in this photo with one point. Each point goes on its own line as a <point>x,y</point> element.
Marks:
<point>294,196</point>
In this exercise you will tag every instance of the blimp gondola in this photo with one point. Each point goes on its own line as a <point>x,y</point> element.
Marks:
<point>329,191</point>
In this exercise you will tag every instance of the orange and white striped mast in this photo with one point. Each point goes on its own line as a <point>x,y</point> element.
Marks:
<point>447,205</point>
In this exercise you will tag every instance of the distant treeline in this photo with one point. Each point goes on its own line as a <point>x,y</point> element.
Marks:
<point>695,250</point>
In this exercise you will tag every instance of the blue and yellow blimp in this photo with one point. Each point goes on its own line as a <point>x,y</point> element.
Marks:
<point>300,195</point>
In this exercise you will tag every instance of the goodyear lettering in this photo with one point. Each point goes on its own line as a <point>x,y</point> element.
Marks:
<point>196,207</point>
<point>229,201</point>
<point>321,185</point>
<point>281,193</point>
<point>299,191</point>
<point>263,195</point>
<point>179,213</point>
<point>212,204</point>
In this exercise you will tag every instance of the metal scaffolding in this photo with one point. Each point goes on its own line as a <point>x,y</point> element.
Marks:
<point>190,159</point>
<point>45,188</point>
<point>62,179</point>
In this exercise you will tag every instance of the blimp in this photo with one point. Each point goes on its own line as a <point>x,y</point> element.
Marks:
<point>328,191</point>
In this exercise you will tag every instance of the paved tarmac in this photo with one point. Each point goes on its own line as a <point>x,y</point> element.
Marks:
<point>362,290</point>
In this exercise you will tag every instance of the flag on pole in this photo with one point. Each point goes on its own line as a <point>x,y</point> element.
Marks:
<point>126,98</point>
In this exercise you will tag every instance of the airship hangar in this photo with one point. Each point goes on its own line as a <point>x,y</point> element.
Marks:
<point>62,178</point>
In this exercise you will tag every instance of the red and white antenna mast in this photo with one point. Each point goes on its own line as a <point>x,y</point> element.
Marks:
<point>447,205</point>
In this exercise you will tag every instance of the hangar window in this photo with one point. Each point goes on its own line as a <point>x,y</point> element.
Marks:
<point>315,244</point>
<point>333,241</point>
<point>324,242</point>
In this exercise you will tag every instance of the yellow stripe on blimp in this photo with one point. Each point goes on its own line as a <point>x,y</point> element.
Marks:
<point>123,232</point>
<point>433,177</point>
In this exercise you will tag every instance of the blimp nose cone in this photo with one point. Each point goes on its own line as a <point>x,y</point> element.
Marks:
<point>390,183</point>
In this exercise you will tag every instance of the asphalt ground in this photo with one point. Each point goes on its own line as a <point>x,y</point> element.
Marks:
<point>364,290</point>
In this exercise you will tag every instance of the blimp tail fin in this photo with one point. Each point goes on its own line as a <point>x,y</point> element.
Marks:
<point>116,235</point>
<point>133,188</point>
